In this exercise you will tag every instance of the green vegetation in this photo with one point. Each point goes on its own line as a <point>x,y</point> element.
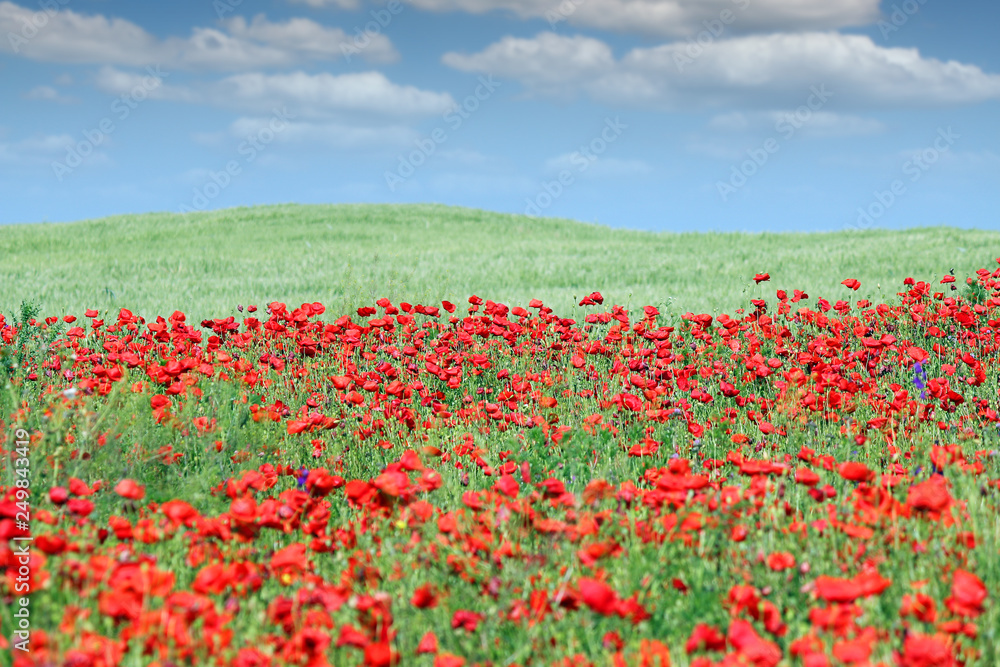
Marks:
<point>345,256</point>
<point>508,488</point>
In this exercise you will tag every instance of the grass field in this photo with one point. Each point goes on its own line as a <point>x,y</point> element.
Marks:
<point>347,256</point>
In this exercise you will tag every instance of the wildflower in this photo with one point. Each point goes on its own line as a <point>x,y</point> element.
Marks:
<point>920,379</point>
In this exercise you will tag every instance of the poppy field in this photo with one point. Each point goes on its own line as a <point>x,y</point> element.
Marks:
<point>806,481</point>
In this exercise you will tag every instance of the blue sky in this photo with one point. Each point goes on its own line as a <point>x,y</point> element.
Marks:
<point>742,115</point>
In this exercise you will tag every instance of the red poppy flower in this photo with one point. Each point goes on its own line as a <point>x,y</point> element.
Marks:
<point>80,506</point>
<point>508,486</point>
<point>320,482</point>
<point>926,651</point>
<point>128,488</point>
<point>58,495</point>
<point>780,561</point>
<point>392,483</point>
<point>428,643</point>
<point>758,651</point>
<point>930,496</point>
<point>598,596</point>
<point>380,655</point>
<point>631,402</point>
<point>834,589</point>
<point>806,477</point>
<point>920,605</point>
<point>351,636</point>
<point>705,638</point>
<point>967,594</point>
<point>424,597</point>
<point>290,562</point>
<point>79,488</point>
<point>179,512</point>
<point>855,472</point>
<point>466,620</point>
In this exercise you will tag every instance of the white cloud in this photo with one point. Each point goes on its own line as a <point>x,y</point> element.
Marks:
<point>42,150</point>
<point>118,82</point>
<point>311,39</point>
<point>320,94</point>
<point>66,36</point>
<point>677,18</point>
<point>69,37</point>
<point>316,4</point>
<point>550,64</point>
<point>829,124</point>
<point>333,135</point>
<point>48,94</point>
<point>817,123</point>
<point>305,95</point>
<point>763,71</point>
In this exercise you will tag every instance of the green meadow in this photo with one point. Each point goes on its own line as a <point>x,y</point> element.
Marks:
<point>350,255</point>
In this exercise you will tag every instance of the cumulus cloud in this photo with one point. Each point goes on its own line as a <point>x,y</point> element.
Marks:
<point>762,71</point>
<point>311,39</point>
<point>69,37</point>
<point>320,95</point>
<point>676,18</point>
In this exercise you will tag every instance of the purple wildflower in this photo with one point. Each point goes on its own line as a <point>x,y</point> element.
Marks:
<point>920,379</point>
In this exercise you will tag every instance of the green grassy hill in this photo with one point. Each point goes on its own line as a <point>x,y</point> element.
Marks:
<point>349,255</point>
